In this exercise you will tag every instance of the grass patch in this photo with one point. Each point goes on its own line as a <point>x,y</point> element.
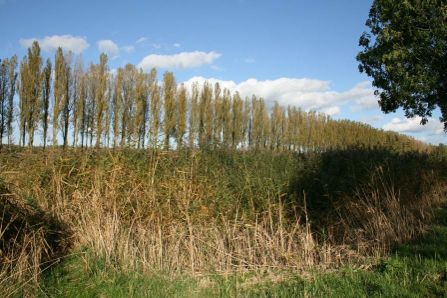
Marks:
<point>84,275</point>
<point>225,224</point>
<point>416,269</point>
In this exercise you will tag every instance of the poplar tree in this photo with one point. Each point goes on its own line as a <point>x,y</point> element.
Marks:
<point>141,112</point>
<point>217,115</point>
<point>30,89</point>
<point>67,101</point>
<point>127,122</point>
<point>100,97</point>
<point>309,143</point>
<point>247,124</point>
<point>297,128</point>
<point>34,106</point>
<point>180,130</point>
<point>12,76</point>
<point>237,123</point>
<point>82,108</point>
<point>23,99</point>
<point>155,107</point>
<point>301,128</point>
<point>59,85</point>
<point>259,122</point>
<point>46,91</point>
<point>130,101</point>
<point>78,99</point>
<point>265,126</point>
<point>3,97</point>
<point>108,112</point>
<point>276,126</point>
<point>289,128</point>
<point>226,118</point>
<point>92,85</point>
<point>151,80</point>
<point>117,106</point>
<point>205,116</point>
<point>169,100</point>
<point>193,116</point>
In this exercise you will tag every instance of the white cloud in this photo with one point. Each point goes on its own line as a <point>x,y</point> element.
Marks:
<point>372,119</point>
<point>177,45</point>
<point>141,39</point>
<point>156,46</point>
<point>230,85</point>
<point>76,44</point>
<point>364,97</point>
<point>413,125</point>
<point>331,111</point>
<point>249,60</point>
<point>128,49</point>
<point>109,47</point>
<point>180,60</point>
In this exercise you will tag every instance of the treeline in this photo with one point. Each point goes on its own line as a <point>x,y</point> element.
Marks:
<point>129,108</point>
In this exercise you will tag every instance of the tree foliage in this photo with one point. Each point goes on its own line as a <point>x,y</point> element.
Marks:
<point>46,91</point>
<point>405,52</point>
<point>130,108</point>
<point>8,78</point>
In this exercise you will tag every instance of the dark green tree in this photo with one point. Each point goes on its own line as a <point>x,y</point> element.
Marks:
<point>405,52</point>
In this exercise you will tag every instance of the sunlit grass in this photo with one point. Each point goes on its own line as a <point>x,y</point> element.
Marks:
<point>225,224</point>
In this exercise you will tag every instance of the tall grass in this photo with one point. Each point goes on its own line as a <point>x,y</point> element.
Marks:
<point>30,242</point>
<point>200,212</point>
<point>371,200</point>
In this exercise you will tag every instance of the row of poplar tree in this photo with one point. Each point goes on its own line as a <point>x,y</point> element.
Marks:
<point>94,108</point>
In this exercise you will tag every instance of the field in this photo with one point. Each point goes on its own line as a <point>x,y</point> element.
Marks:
<point>223,223</point>
<point>223,149</point>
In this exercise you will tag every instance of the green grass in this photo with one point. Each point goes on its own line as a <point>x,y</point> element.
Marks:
<point>85,276</point>
<point>416,269</point>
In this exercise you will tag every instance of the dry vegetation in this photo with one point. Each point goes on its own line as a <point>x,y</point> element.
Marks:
<point>200,212</point>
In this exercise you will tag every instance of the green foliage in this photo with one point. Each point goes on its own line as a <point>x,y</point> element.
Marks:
<point>46,92</point>
<point>58,87</point>
<point>405,54</point>
<point>130,109</point>
<point>83,275</point>
<point>3,96</point>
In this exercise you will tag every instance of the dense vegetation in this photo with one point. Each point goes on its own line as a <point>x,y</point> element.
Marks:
<point>160,190</point>
<point>132,109</point>
<point>404,52</point>
<point>168,221</point>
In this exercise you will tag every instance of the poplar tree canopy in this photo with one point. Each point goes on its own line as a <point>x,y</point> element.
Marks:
<point>405,52</point>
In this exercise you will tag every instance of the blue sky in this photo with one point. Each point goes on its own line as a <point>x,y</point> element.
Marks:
<point>297,52</point>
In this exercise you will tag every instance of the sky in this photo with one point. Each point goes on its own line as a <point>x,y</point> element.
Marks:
<point>296,52</point>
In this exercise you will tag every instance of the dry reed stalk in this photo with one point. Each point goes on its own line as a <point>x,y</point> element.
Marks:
<point>163,219</point>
